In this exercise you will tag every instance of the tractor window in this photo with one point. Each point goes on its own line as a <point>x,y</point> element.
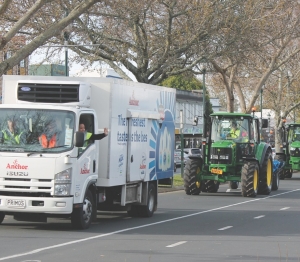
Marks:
<point>255,132</point>
<point>236,129</point>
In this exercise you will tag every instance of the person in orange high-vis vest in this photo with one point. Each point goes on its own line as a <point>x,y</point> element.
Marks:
<point>47,143</point>
<point>51,137</point>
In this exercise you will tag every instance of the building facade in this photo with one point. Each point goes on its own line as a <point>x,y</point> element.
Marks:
<point>190,103</point>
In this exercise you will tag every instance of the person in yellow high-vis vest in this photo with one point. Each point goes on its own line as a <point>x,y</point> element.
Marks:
<point>11,135</point>
<point>90,136</point>
<point>234,132</point>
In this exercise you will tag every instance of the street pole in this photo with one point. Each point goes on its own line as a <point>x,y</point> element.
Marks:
<point>181,138</point>
<point>204,101</point>
<point>261,94</point>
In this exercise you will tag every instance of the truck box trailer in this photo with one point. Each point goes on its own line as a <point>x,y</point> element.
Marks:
<point>76,178</point>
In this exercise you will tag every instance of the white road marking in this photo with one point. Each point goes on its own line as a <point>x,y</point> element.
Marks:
<point>259,217</point>
<point>138,227</point>
<point>285,208</point>
<point>224,228</point>
<point>177,244</point>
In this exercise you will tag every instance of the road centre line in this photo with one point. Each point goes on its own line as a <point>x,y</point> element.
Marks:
<point>224,228</point>
<point>177,244</point>
<point>285,208</point>
<point>138,227</point>
<point>259,217</point>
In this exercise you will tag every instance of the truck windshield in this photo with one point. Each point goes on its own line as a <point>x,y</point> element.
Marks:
<point>230,129</point>
<point>36,130</point>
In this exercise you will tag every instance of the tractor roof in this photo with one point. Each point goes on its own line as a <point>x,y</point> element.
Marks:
<point>226,114</point>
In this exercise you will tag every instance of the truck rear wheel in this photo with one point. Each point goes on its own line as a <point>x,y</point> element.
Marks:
<point>192,168</point>
<point>2,215</point>
<point>266,175</point>
<point>81,218</point>
<point>212,186</point>
<point>148,210</point>
<point>249,179</point>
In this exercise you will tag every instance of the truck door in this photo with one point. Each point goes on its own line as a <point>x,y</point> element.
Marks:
<point>87,165</point>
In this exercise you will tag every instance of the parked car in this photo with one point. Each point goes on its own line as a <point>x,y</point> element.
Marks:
<point>177,157</point>
<point>192,151</point>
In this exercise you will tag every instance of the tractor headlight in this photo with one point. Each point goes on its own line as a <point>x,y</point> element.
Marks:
<point>224,157</point>
<point>62,183</point>
<point>293,148</point>
<point>213,156</point>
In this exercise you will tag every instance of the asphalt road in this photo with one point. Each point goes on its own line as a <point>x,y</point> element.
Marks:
<point>210,227</point>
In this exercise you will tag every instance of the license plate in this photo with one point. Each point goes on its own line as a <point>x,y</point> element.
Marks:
<point>18,203</point>
<point>216,171</point>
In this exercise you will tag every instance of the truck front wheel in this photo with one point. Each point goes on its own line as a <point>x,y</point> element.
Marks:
<point>249,179</point>
<point>81,218</point>
<point>2,215</point>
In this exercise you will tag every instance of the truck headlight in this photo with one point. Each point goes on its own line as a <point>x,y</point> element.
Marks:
<point>62,183</point>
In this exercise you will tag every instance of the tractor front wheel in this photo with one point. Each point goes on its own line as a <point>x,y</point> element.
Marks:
<point>249,179</point>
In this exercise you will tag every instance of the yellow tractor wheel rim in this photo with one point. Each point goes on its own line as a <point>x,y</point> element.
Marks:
<point>269,172</point>
<point>255,180</point>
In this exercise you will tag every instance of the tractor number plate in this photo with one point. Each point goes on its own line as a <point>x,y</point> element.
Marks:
<point>216,171</point>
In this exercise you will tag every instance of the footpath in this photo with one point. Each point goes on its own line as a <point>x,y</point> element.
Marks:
<point>165,189</point>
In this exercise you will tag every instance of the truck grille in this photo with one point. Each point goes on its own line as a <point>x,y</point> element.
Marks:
<point>221,152</point>
<point>26,187</point>
<point>48,93</point>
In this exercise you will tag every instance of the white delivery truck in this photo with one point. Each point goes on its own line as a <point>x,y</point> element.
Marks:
<point>76,178</point>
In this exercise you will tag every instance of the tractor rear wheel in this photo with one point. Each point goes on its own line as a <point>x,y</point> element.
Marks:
<point>266,174</point>
<point>249,179</point>
<point>192,168</point>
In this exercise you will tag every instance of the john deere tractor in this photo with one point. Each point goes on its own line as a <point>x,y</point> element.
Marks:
<point>291,150</point>
<point>232,153</point>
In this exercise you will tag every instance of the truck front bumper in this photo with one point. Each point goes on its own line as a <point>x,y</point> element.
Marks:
<point>55,205</point>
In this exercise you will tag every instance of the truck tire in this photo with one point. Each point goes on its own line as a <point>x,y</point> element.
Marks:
<point>192,168</point>
<point>212,186</point>
<point>148,210</point>
<point>81,218</point>
<point>249,179</point>
<point>2,215</point>
<point>275,183</point>
<point>266,175</point>
<point>281,159</point>
<point>233,185</point>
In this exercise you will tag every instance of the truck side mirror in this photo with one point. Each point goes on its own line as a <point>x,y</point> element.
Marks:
<point>78,139</point>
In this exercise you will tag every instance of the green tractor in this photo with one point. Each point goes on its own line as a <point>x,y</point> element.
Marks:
<point>291,150</point>
<point>232,152</point>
